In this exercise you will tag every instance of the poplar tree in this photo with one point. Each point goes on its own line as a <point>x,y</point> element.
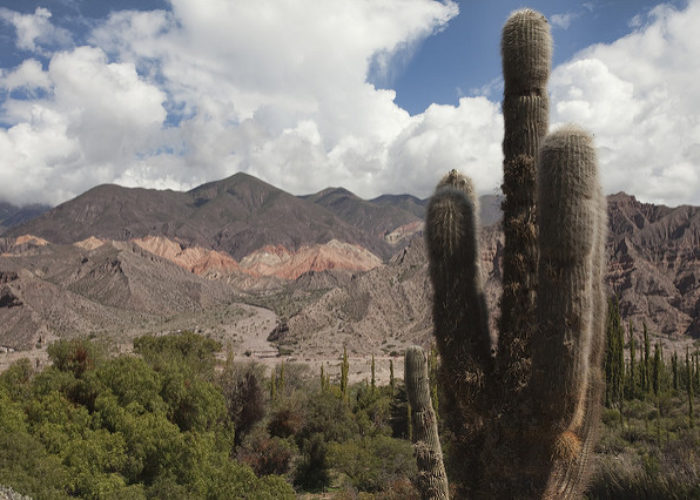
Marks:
<point>344,369</point>
<point>392,381</point>
<point>689,388</point>
<point>656,369</point>
<point>674,369</point>
<point>614,357</point>
<point>647,374</point>
<point>631,379</point>
<point>273,384</point>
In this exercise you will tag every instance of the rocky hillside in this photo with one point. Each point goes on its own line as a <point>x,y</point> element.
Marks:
<point>237,215</point>
<point>11,215</point>
<point>337,269</point>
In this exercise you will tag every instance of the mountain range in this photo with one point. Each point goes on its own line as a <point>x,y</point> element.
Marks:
<point>334,268</point>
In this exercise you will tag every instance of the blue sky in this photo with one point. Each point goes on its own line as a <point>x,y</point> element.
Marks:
<point>378,97</point>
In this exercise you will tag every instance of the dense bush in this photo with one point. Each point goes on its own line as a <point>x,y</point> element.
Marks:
<point>164,423</point>
<point>126,427</point>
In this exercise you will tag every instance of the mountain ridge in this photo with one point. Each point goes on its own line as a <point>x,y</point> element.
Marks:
<point>654,264</point>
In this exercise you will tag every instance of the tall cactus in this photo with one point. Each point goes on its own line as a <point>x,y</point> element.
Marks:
<point>523,422</point>
<point>432,480</point>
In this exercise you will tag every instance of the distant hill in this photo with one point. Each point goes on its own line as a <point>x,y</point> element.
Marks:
<point>11,215</point>
<point>336,266</point>
<point>237,215</point>
<point>377,219</point>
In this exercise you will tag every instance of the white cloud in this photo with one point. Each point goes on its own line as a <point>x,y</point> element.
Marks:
<point>96,118</point>
<point>35,30</point>
<point>171,99</point>
<point>639,95</point>
<point>28,75</point>
<point>563,21</point>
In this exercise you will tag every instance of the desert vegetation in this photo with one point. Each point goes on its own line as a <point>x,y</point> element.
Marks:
<point>170,420</point>
<point>166,422</point>
<point>650,443</point>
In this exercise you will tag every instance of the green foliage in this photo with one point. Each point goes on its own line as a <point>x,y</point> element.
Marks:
<point>400,413</point>
<point>76,355</point>
<point>614,357</point>
<point>267,455</point>
<point>161,425</point>
<point>654,455</point>
<point>16,380</point>
<point>329,417</point>
<point>242,388</point>
<point>372,463</point>
<point>186,349</point>
<point>123,428</point>
<point>689,389</point>
<point>344,371</point>
<point>312,473</point>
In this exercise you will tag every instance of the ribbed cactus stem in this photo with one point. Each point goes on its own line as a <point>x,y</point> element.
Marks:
<point>452,239</point>
<point>526,50</point>
<point>432,479</point>
<point>460,315</point>
<point>569,343</point>
<point>526,427</point>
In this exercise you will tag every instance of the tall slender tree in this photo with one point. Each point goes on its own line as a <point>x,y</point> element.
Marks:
<point>689,388</point>
<point>656,369</point>
<point>392,380</point>
<point>631,378</point>
<point>344,370</point>
<point>647,360</point>
<point>674,369</point>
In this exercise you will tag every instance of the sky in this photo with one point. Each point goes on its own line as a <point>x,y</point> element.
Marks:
<point>377,96</point>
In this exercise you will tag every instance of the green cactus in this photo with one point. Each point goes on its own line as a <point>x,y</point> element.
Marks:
<point>432,480</point>
<point>523,421</point>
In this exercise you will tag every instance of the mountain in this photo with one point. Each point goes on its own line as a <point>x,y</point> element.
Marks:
<point>11,215</point>
<point>377,219</point>
<point>237,215</point>
<point>654,257</point>
<point>334,268</point>
<point>405,202</point>
<point>653,270</point>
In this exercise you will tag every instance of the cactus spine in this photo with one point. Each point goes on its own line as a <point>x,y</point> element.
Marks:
<point>523,422</point>
<point>432,480</point>
<point>526,51</point>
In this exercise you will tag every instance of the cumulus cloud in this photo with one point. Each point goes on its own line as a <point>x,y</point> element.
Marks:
<point>95,118</point>
<point>277,90</point>
<point>35,30</point>
<point>640,97</point>
<point>563,21</point>
<point>171,99</point>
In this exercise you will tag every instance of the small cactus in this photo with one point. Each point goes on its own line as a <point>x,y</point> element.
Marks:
<point>523,421</point>
<point>432,480</point>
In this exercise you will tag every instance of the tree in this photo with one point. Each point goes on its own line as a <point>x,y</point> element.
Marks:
<point>344,371</point>
<point>674,369</point>
<point>244,397</point>
<point>647,361</point>
<point>312,473</point>
<point>614,357</point>
<point>632,379</point>
<point>657,368</point>
<point>689,388</point>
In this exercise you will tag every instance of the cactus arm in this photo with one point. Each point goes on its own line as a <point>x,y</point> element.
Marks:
<point>460,318</point>
<point>526,49</point>
<point>571,306</point>
<point>432,480</point>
